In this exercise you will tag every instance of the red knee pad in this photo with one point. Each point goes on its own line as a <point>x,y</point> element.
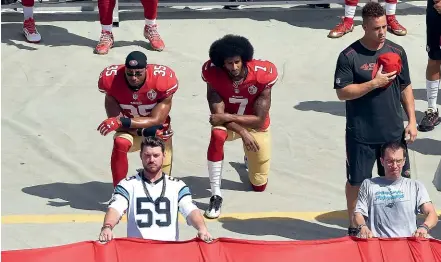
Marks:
<point>260,188</point>
<point>121,144</point>
<point>351,2</point>
<point>216,148</point>
<point>119,162</point>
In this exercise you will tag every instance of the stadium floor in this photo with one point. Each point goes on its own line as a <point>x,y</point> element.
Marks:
<point>55,165</point>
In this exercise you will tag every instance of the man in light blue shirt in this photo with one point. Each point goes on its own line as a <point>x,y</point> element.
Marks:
<point>388,206</point>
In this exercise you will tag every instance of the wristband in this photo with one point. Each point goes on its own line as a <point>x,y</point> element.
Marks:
<point>106,226</point>
<point>150,131</point>
<point>125,122</point>
<point>424,226</point>
<point>361,226</point>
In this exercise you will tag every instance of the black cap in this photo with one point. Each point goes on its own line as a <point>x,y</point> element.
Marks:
<point>136,60</point>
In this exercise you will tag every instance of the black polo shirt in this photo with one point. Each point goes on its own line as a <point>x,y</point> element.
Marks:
<point>376,117</point>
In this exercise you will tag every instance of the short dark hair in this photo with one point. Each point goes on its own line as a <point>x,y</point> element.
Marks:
<point>230,46</point>
<point>394,146</point>
<point>372,10</point>
<point>152,141</point>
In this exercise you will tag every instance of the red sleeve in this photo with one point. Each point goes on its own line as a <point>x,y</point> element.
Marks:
<point>167,84</point>
<point>207,71</point>
<point>267,74</point>
<point>106,78</point>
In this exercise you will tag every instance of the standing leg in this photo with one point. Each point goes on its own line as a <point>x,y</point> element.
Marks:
<point>347,25</point>
<point>360,159</point>
<point>151,28</point>
<point>433,42</point>
<point>29,28</point>
<point>392,23</point>
<point>431,117</point>
<point>105,9</point>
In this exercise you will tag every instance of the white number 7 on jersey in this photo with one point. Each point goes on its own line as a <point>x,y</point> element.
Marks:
<point>243,103</point>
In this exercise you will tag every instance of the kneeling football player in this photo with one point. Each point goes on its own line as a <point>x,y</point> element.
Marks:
<point>239,97</point>
<point>138,98</point>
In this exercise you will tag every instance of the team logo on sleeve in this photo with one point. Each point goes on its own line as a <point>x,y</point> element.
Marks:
<point>252,90</point>
<point>151,94</point>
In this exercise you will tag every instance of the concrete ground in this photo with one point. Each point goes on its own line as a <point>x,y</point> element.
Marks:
<point>55,165</point>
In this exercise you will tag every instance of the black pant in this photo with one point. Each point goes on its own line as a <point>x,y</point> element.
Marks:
<point>433,36</point>
<point>360,159</point>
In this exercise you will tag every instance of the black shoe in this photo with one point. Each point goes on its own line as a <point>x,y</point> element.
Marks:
<point>352,231</point>
<point>429,121</point>
<point>214,209</point>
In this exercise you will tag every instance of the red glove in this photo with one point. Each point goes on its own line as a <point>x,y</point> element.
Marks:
<point>109,125</point>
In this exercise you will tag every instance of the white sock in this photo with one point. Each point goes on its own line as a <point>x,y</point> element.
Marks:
<point>150,22</point>
<point>215,175</point>
<point>432,92</point>
<point>390,9</point>
<point>350,11</point>
<point>107,27</point>
<point>28,12</point>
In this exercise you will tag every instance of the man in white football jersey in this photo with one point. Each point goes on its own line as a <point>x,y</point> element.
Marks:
<point>152,200</point>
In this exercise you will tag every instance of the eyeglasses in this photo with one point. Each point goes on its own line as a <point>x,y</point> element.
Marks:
<point>390,162</point>
<point>136,73</point>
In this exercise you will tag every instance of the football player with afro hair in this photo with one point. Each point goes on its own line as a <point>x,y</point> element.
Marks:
<point>239,97</point>
<point>231,46</point>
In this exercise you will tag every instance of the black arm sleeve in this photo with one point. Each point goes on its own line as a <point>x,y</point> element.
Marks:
<point>343,75</point>
<point>404,76</point>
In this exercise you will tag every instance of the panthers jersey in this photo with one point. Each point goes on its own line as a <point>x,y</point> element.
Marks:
<point>239,98</point>
<point>148,220</point>
<point>161,82</point>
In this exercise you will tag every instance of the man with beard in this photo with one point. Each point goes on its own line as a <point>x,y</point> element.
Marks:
<point>138,98</point>
<point>372,76</point>
<point>152,200</point>
<point>239,97</point>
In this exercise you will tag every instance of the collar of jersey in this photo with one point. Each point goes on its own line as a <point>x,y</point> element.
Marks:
<point>148,180</point>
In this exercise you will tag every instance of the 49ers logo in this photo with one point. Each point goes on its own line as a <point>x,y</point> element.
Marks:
<point>151,94</point>
<point>367,67</point>
<point>252,90</point>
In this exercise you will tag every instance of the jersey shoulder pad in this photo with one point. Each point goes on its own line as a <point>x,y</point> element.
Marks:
<point>106,78</point>
<point>266,72</point>
<point>208,70</point>
<point>166,80</point>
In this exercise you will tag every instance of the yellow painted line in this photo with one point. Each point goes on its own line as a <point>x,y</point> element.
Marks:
<point>98,218</point>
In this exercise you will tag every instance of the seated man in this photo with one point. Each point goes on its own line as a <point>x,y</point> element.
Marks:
<point>391,203</point>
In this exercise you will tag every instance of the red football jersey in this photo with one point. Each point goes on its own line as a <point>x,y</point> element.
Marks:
<point>161,82</point>
<point>239,99</point>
